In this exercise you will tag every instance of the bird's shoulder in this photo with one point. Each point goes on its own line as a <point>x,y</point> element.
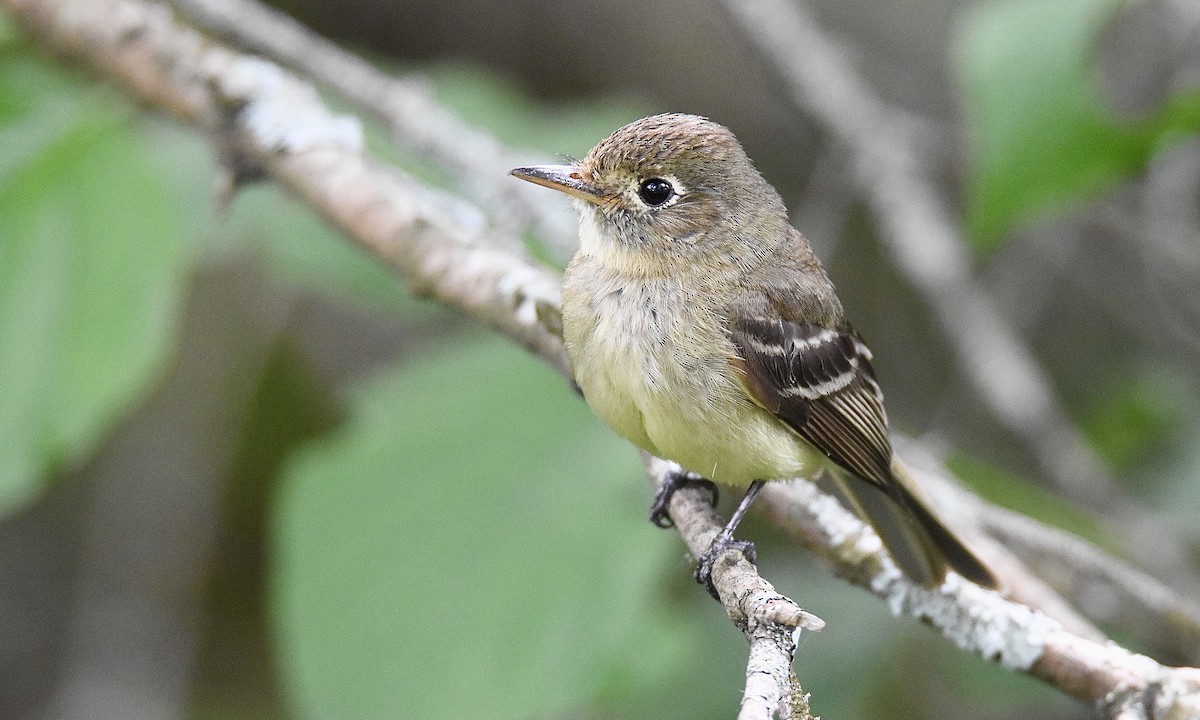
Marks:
<point>790,285</point>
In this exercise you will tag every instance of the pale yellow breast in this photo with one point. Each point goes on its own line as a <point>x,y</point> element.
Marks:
<point>653,363</point>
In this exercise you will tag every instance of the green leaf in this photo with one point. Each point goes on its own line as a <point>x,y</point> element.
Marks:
<point>91,261</point>
<point>1039,134</point>
<point>472,544</point>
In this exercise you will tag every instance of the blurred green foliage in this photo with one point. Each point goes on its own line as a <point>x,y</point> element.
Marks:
<point>467,538</point>
<point>93,260</point>
<point>1040,136</point>
<point>533,587</point>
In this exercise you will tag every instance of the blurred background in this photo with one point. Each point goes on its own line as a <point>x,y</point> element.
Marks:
<point>246,476</point>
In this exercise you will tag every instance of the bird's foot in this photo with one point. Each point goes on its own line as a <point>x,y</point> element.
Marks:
<point>705,563</point>
<point>661,507</point>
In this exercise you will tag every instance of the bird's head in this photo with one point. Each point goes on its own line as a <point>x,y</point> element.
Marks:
<point>673,184</point>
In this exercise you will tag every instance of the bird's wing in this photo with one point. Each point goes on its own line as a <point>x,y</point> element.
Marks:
<point>820,382</point>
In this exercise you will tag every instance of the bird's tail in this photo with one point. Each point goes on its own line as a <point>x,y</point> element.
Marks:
<point>920,544</point>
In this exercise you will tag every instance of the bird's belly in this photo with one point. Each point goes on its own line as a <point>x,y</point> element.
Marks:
<point>691,411</point>
<point>730,448</point>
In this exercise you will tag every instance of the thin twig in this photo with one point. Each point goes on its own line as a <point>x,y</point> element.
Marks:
<point>1103,587</point>
<point>981,621</point>
<point>770,621</point>
<point>416,119</point>
<point>443,246</point>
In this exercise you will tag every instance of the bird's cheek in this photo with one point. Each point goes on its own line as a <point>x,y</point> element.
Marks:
<point>680,229</point>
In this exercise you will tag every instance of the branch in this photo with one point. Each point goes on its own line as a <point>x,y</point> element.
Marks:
<point>1105,587</point>
<point>442,245</point>
<point>770,621</point>
<point>1119,683</point>
<point>885,145</point>
<point>445,249</point>
<point>416,119</point>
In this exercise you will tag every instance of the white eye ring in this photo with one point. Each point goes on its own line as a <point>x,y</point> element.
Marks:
<point>659,191</point>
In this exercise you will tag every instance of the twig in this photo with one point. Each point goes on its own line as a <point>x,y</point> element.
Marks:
<point>1101,586</point>
<point>981,621</point>
<point>416,119</point>
<point>444,249</point>
<point>441,245</point>
<point>770,621</point>
<point>885,145</point>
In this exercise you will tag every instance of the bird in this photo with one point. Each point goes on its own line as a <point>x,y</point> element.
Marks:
<point>700,326</point>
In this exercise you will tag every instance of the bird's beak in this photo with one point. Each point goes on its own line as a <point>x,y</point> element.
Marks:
<point>564,178</point>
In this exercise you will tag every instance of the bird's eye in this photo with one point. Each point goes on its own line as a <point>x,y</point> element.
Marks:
<point>655,191</point>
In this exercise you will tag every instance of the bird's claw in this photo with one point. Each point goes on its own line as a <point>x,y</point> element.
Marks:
<point>661,507</point>
<point>706,561</point>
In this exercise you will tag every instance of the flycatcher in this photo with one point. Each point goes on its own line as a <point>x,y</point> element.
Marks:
<point>701,327</point>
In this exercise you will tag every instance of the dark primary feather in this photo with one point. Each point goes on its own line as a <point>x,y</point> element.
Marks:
<point>820,382</point>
